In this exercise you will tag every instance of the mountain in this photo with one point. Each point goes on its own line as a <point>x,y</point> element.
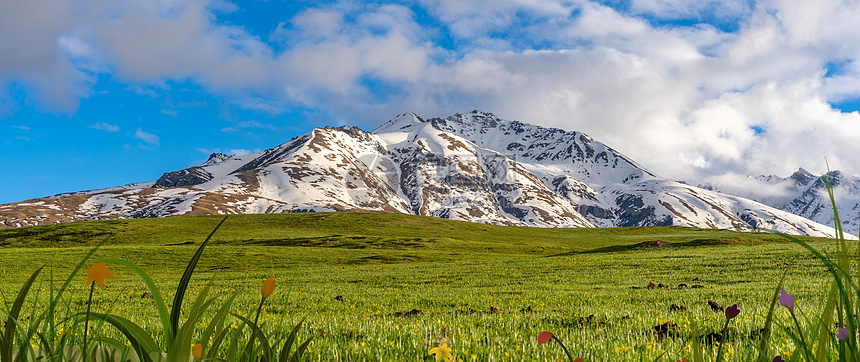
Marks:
<point>803,194</point>
<point>473,167</point>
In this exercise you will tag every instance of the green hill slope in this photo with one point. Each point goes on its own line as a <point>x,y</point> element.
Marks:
<point>363,231</point>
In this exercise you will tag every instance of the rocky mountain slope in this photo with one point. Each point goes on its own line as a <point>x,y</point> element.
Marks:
<point>804,194</point>
<point>473,167</point>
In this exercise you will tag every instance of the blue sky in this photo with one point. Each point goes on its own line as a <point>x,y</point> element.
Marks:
<point>101,93</point>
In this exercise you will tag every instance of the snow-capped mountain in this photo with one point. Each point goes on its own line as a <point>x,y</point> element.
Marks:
<point>473,167</point>
<point>803,194</point>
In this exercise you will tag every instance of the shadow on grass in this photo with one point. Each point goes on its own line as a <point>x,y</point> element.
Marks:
<point>386,259</point>
<point>346,242</point>
<point>645,245</point>
<point>654,245</point>
<point>63,234</point>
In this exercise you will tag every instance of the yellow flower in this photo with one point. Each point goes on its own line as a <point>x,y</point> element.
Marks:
<point>198,351</point>
<point>98,273</point>
<point>268,287</point>
<point>443,353</point>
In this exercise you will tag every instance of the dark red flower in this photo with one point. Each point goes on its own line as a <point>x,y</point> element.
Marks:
<point>732,311</point>
<point>544,337</point>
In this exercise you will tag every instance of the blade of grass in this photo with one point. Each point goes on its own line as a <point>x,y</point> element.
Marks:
<point>61,290</point>
<point>233,348</point>
<point>26,349</point>
<point>765,335</point>
<point>186,278</point>
<point>824,334</point>
<point>849,308</point>
<point>8,335</point>
<point>181,347</point>
<point>258,333</point>
<point>301,350</point>
<point>139,338</point>
<point>156,296</point>
<point>285,350</point>
<point>696,341</point>
<point>217,324</point>
<point>216,343</point>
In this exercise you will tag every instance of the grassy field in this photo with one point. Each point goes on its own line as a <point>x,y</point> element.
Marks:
<point>389,287</point>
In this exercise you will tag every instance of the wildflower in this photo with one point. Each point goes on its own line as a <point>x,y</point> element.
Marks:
<point>787,300</point>
<point>682,360</point>
<point>268,287</point>
<point>544,337</point>
<point>97,273</point>
<point>732,312</point>
<point>778,358</point>
<point>442,353</point>
<point>198,351</point>
<point>842,334</point>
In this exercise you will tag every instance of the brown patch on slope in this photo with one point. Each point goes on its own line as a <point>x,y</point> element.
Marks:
<point>455,144</point>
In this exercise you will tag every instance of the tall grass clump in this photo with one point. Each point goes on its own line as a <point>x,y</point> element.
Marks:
<point>832,332</point>
<point>41,337</point>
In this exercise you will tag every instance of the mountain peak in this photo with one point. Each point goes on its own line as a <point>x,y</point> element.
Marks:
<point>803,177</point>
<point>216,158</point>
<point>800,174</point>
<point>401,123</point>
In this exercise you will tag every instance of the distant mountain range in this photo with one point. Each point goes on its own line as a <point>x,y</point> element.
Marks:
<point>473,167</point>
<point>804,194</point>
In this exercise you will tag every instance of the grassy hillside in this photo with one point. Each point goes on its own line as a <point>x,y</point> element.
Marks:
<point>485,290</point>
<point>362,230</point>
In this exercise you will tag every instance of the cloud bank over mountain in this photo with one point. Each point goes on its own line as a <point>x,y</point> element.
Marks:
<point>694,89</point>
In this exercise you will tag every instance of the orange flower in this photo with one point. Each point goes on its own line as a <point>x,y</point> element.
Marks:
<point>268,287</point>
<point>198,351</point>
<point>98,273</point>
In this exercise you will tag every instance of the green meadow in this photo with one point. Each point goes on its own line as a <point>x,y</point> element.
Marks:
<point>391,287</point>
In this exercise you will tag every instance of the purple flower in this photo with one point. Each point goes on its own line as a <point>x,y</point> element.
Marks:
<point>842,333</point>
<point>787,300</point>
<point>732,312</point>
<point>778,359</point>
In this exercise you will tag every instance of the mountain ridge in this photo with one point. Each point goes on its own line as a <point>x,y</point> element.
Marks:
<point>804,194</point>
<point>473,167</point>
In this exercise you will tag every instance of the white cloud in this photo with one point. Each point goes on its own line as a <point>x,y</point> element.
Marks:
<point>679,9</point>
<point>475,19</point>
<point>29,33</point>
<point>170,112</point>
<point>328,53</point>
<point>233,152</point>
<point>242,152</point>
<point>146,137</point>
<point>681,99</point>
<point>105,127</point>
<point>249,124</point>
